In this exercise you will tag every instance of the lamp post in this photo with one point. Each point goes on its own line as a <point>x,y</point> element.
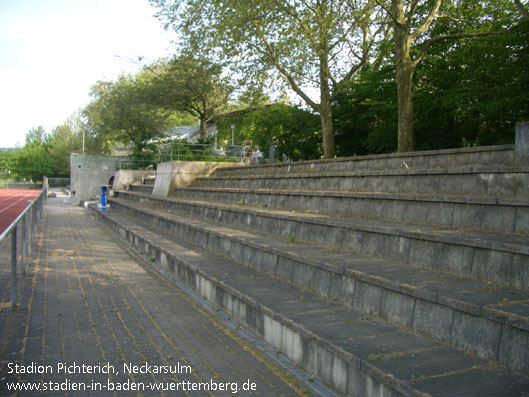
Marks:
<point>232,133</point>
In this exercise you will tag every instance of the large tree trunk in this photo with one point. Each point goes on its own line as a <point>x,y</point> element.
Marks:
<point>327,130</point>
<point>203,128</point>
<point>405,71</point>
<point>325,110</point>
<point>405,106</point>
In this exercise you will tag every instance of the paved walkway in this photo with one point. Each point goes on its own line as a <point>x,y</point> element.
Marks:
<point>88,306</point>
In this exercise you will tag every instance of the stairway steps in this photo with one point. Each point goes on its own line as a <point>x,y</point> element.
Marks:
<point>349,350</point>
<point>433,159</point>
<point>488,213</point>
<point>140,188</point>
<point>500,258</point>
<point>472,181</point>
<point>469,314</point>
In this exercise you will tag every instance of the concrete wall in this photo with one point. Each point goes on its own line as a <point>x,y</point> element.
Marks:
<point>127,177</point>
<point>88,172</point>
<point>172,174</point>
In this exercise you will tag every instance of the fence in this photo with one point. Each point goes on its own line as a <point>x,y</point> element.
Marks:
<point>28,221</point>
<point>136,165</point>
<point>204,152</point>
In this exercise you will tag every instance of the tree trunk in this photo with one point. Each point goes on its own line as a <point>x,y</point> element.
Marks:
<point>405,107</point>
<point>325,110</point>
<point>327,130</point>
<point>203,128</point>
<point>405,71</point>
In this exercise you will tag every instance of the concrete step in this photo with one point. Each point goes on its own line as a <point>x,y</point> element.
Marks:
<point>353,352</point>
<point>472,315</point>
<point>499,258</point>
<point>433,159</point>
<point>468,182</point>
<point>143,188</point>
<point>484,213</point>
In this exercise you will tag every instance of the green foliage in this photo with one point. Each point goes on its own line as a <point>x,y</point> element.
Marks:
<point>469,92</point>
<point>296,131</point>
<point>473,92</point>
<point>366,114</point>
<point>302,44</point>
<point>189,84</point>
<point>121,112</point>
<point>33,161</point>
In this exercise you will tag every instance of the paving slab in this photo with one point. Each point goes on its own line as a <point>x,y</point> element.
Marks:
<point>87,305</point>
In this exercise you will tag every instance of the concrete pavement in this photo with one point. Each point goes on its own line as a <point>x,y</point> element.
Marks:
<point>95,319</point>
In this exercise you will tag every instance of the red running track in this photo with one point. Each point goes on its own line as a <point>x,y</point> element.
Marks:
<point>12,203</point>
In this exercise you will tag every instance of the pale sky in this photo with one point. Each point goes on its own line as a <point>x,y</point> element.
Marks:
<point>52,51</point>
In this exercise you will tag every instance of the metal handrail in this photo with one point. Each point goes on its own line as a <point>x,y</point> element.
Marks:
<point>31,215</point>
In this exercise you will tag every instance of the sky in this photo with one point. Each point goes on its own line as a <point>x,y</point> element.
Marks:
<point>53,51</point>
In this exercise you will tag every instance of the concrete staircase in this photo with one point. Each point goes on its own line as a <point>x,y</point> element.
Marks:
<point>396,274</point>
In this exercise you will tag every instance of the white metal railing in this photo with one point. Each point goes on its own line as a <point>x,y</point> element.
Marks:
<point>28,221</point>
<point>204,152</point>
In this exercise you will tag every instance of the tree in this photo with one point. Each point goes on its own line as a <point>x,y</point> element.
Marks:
<point>65,140</point>
<point>191,85</point>
<point>466,93</point>
<point>33,160</point>
<point>412,24</point>
<point>311,44</point>
<point>121,112</point>
<point>522,9</point>
<point>294,130</point>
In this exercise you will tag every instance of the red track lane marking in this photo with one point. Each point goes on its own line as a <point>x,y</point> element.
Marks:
<point>16,202</point>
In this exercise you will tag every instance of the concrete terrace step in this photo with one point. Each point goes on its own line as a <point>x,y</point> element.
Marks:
<point>486,213</point>
<point>140,188</point>
<point>501,258</point>
<point>351,351</point>
<point>433,159</point>
<point>473,182</point>
<point>466,313</point>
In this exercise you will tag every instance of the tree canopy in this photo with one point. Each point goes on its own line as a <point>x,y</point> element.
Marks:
<point>189,84</point>
<point>312,45</point>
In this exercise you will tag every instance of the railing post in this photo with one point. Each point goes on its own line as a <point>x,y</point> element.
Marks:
<point>14,268</point>
<point>23,239</point>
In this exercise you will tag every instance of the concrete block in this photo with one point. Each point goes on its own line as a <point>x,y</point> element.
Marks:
<point>264,261</point>
<point>396,247</point>
<point>255,319</point>
<point>521,150</point>
<point>302,274</point>
<point>467,215</point>
<point>438,213</point>
<point>372,243</point>
<point>291,344</point>
<point>342,288</point>
<point>321,281</point>
<point>272,331</point>
<point>310,355</point>
<point>475,334</point>
<point>352,240</point>
<point>397,308</point>
<point>454,259</point>
<point>395,209</point>
<point>285,268</point>
<point>494,266</point>
<point>367,297</point>
<point>514,349</point>
<point>498,218</point>
<point>334,236</point>
<point>357,380</point>
<point>520,271</point>
<point>422,253</point>
<point>433,319</point>
<point>522,220</point>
